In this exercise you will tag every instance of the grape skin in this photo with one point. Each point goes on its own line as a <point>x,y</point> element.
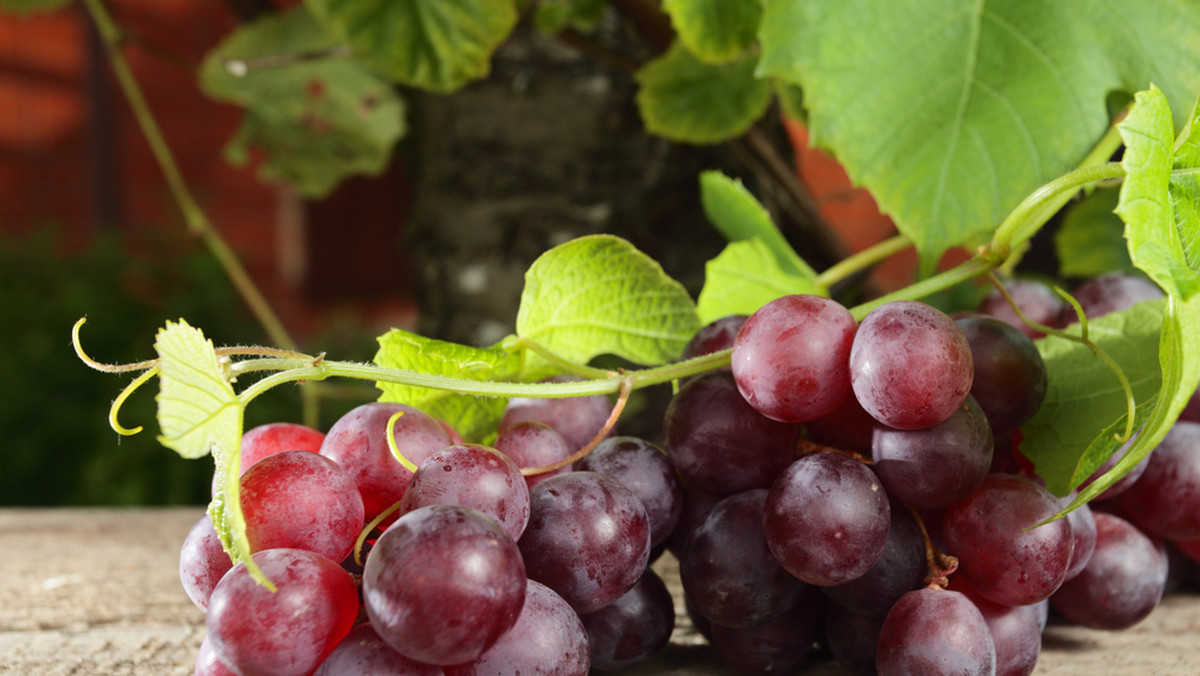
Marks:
<point>533,444</point>
<point>633,628</point>
<point>901,568</point>
<point>470,475</point>
<point>202,562</point>
<point>364,653</point>
<point>935,632</point>
<point>643,468</point>
<point>577,419</point>
<point>1009,380</point>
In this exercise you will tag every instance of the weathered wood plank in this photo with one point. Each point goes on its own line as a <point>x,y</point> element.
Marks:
<point>96,592</point>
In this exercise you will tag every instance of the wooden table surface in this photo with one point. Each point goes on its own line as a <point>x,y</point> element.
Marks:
<point>95,592</point>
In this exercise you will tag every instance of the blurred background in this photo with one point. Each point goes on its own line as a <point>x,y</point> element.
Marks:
<point>547,147</point>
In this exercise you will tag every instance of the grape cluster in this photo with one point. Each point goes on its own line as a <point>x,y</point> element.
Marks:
<point>843,488</point>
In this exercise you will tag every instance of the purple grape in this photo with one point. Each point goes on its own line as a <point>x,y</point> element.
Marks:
<point>1122,484</point>
<point>852,639</point>
<point>443,584</point>
<point>1122,582</point>
<point>1083,532</point>
<point>716,441</point>
<point>1010,375</point>
<point>777,646</point>
<point>547,640</point>
<point>1016,630</point>
<point>474,476</point>
<point>901,568</point>
<point>534,444</point>
<point>848,428</point>
<point>1112,292</point>
<point>633,628</point>
<point>577,419</point>
<point>790,357</point>
<point>364,653</point>
<point>935,467</point>
<point>910,365</point>
<point>202,562</point>
<point>358,442</point>
<point>715,336</point>
<point>727,570</point>
<point>643,468</point>
<point>935,632</point>
<point>1037,300</point>
<point>696,504</point>
<point>1004,561</point>
<point>588,538</point>
<point>287,632</point>
<point>301,500</point>
<point>1165,500</point>
<point>827,519</point>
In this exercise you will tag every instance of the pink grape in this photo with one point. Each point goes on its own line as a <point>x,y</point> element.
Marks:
<point>472,476</point>
<point>534,444</point>
<point>202,562</point>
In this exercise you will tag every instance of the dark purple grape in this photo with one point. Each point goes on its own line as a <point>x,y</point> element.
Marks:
<point>1003,560</point>
<point>1016,630</point>
<point>790,357</point>
<point>358,442</point>
<point>547,640</point>
<point>1165,500</point>
<point>1083,532</point>
<point>1122,582</point>
<point>728,573</point>
<point>202,562</point>
<point>848,427</point>
<point>301,500</point>
<point>588,538</point>
<point>1112,292</point>
<point>696,504</point>
<point>716,441</point>
<point>288,631</point>
<point>935,467</point>
<point>474,476</point>
<point>534,444</point>
<point>364,653</point>
<point>443,584</point>
<point>1010,375</point>
<point>715,336</point>
<point>827,519</point>
<point>910,365</point>
<point>852,639</point>
<point>633,628</point>
<point>935,632</point>
<point>644,469</point>
<point>577,419</point>
<point>777,646</point>
<point>1038,301</point>
<point>900,569</point>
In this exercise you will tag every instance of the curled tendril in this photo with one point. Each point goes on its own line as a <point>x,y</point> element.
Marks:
<point>391,439</point>
<point>116,405</point>
<point>99,366</point>
<point>370,528</point>
<point>1130,401</point>
<point>626,389</point>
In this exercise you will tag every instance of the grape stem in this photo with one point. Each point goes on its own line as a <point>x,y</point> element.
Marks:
<point>941,565</point>
<point>863,259</point>
<point>805,447</point>
<point>618,407</point>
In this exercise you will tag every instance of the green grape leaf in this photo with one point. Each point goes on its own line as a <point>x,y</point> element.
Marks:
<point>198,413</point>
<point>1091,239</point>
<point>684,99</point>
<point>474,417</point>
<point>735,212</point>
<point>746,275</point>
<point>437,45</point>
<point>554,16</point>
<point>1083,397</point>
<point>716,31</point>
<point>317,120</point>
<point>31,6</point>
<point>950,113</point>
<point>599,295</point>
<point>1160,206</point>
<point>1179,357</point>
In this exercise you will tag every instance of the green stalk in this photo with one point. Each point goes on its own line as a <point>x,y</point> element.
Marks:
<point>862,260</point>
<point>197,222</point>
<point>962,272</point>
<point>1033,212</point>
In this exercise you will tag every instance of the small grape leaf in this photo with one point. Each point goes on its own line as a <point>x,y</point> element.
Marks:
<point>1083,397</point>
<point>474,417</point>
<point>716,31</point>
<point>316,120</point>
<point>684,99</point>
<point>31,6</point>
<point>1179,356</point>
<point>599,295</point>
<point>437,45</point>
<point>199,412</point>
<point>735,212</point>
<point>1091,239</point>
<point>746,275</point>
<point>1159,194</point>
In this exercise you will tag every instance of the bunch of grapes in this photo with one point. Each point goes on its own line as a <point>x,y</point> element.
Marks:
<point>850,488</point>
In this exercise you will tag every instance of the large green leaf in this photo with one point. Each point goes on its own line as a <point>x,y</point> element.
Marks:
<point>1091,239</point>
<point>438,45</point>
<point>685,99</point>
<point>1160,197</point>
<point>745,276</point>
<point>473,417</point>
<point>951,112</point>
<point>1083,397</point>
<point>316,120</point>
<point>716,31</point>
<point>599,295</point>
